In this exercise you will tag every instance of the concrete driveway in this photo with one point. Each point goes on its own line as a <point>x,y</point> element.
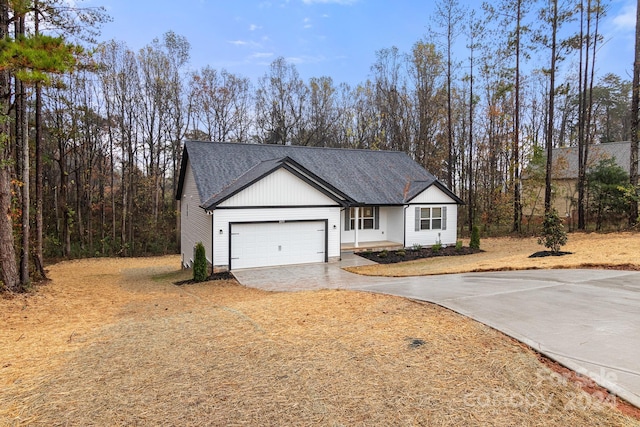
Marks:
<point>587,320</point>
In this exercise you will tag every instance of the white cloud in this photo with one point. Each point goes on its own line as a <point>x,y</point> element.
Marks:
<point>243,43</point>
<point>306,59</point>
<point>254,27</point>
<point>260,55</point>
<point>626,19</point>
<point>307,23</point>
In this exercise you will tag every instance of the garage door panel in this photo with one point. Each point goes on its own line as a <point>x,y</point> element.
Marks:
<point>271,243</point>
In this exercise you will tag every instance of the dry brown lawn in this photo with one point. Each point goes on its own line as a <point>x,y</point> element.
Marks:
<point>114,342</point>
<point>589,250</point>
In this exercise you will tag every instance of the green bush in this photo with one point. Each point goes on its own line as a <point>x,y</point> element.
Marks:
<point>416,247</point>
<point>383,254</point>
<point>401,252</point>
<point>200,264</point>
<point>553,234</point>
<point>474,243</point>
<point>458,245</point>
<point>436,247</point>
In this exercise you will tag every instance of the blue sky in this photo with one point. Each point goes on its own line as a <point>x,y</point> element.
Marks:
<point>336,38</point>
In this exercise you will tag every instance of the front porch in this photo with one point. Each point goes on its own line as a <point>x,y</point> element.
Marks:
<point>372,228</point>
<point>373,246</point>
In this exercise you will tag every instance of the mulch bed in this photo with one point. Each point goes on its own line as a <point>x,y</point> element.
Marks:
<point>401,255</point>
<point>223,275</point>
<point>542,254</point>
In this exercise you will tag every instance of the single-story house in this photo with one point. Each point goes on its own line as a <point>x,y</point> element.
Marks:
<point>255,205</point>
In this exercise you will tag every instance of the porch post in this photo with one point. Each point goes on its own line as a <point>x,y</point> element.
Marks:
<point>355,229</point>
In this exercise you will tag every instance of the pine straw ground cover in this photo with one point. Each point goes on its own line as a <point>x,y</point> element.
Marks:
<point>588,250</point>
<point>114,342</point>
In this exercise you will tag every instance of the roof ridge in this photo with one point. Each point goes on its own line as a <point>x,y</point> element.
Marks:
<point>249,144</point>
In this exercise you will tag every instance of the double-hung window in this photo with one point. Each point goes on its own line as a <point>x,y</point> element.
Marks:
<point>431,218</point>
<point>368,218</point>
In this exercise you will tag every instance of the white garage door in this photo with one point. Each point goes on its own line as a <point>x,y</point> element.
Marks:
<point>277,243</point>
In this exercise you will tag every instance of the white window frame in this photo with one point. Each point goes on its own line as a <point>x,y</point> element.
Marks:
<point>429,220</point>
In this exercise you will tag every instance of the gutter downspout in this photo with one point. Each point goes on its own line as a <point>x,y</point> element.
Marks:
<point>342,214</point>
<point>212,234</point>
<point>404,226</point>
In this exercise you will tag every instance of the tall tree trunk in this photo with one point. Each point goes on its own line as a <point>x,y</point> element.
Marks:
<point>552,90</point>
<point>583,139</point>
<point>635,122</point>
<point>39,263</point>
<point>449,110</point>
<point>39,184</point>
<point>22,140</point>
<point>470,159</point>
<point>517,202</point>
<point>26,185</point>
<point>8,267</point>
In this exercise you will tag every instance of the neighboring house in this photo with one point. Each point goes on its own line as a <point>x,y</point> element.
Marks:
<point>565,177</point>
<point>254,205</point>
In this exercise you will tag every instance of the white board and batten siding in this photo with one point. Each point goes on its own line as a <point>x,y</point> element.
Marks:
<point>432,197</point>
<point>280,188</point>
<point>195,224</point>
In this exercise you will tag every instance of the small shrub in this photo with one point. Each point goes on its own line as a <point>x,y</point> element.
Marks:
<point>475,238</point>
<point>401,252</point>
<point>416,247</point>
<point>458,245</point>
<point>383,254</point>
<point>200,264</point>
<point>436,247</point>
<point>553,234</point>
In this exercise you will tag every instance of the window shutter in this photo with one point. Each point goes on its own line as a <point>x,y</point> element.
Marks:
<point>417,219</point>
<point>347,219</point>
<point>444,217</point>
<point>376,217</point>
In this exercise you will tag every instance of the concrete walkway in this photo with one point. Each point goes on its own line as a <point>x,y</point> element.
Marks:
<point>587,320</point>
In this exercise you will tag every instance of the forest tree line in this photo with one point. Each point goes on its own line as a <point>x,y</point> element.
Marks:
<point>101,144</point>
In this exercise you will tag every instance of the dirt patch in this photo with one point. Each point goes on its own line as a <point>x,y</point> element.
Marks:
<point>115,342</point>
<point>403,255</point>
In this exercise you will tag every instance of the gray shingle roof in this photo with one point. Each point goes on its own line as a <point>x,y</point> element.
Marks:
<point>565,159</point>
<point>363,176</point>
